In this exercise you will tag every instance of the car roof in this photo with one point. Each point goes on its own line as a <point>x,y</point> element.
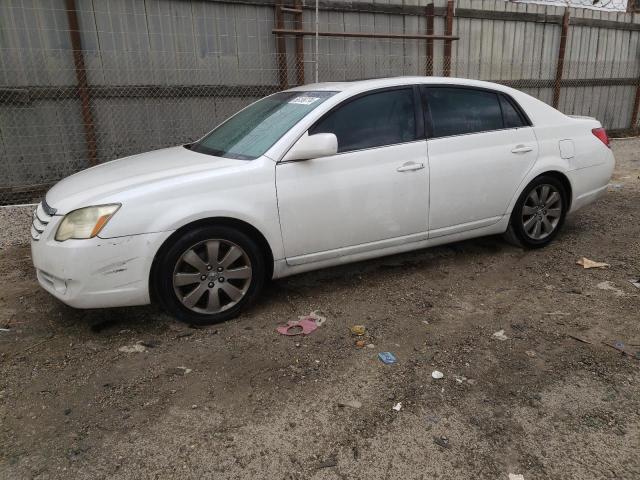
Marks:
<point>538,111</point>
<point>357,86</point>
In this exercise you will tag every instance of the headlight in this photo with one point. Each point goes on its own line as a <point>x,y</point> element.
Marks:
<point>85,222</point>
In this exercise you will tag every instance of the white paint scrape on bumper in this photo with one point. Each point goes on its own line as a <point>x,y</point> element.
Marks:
<point>97,273</point>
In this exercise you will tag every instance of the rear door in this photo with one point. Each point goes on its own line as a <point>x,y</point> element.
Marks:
<point>480,147</point>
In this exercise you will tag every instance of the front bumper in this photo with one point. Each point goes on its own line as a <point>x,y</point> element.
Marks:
<point>96,272</point>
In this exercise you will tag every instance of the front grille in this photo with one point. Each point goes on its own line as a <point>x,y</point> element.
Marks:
<point>40,221</point>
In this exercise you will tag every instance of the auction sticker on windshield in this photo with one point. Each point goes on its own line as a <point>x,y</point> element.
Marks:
<point>304,100</point>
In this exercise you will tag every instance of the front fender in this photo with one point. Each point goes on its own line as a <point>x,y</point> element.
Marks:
<point>248,195</point>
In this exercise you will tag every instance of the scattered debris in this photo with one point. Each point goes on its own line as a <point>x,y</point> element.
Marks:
<point>350,403</point>
<point>558,312</point>
<point>441,442</point>
<point>425,322</point>
<point>136,348</point>
<point>437,375</point>
<point>530,353</point>
<point>607,285</point>
<point>387,357</point>
<point>178,371</point>
<point>184,334</point>
<point>315,316</point>
<point>587,263</point>
<point>499,335</point>
<point>616,186</point>
<point>359,330</point>
<point>460,379</point>
<point>370,345</point>
<point>575,337</point>
<point>620,346</point>
<point>360,343</point>
<point>398,406</point>
<point>67,411</point>
<point>5,329</point>
<point>514,476</point>
<point>332,461</point>
<point>635,282</point>
<point>150,343</point>
<point>298,327</point>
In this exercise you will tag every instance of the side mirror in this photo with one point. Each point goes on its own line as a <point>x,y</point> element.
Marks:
<point>313,146</point>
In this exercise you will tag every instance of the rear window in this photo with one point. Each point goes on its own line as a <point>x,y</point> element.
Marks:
<point>512,118</point>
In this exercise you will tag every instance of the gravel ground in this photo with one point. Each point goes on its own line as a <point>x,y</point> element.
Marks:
<point>15,223</point>
<point>551,401</point>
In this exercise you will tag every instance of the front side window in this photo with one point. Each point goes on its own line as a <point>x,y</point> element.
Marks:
<point>251,132</point>
<point>458,111</point>
<point>373,120</point>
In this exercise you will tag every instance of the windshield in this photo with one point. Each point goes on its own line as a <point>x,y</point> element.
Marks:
<point>252,131</point>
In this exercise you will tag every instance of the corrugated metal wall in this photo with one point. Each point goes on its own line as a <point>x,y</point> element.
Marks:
<point>163,72</point>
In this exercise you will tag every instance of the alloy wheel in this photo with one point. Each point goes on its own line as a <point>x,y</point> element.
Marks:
<point>541,211</point>
<point>212,276</point>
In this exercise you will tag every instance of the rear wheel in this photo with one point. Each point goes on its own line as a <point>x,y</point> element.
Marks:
<point>210,274</point>
<point>539,213</point>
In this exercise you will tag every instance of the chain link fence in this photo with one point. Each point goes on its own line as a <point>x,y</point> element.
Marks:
<point>83,82</point>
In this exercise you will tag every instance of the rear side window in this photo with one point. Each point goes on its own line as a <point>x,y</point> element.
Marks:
<point>457,111</point>
<point>374,120</point>
<point>512,118</point>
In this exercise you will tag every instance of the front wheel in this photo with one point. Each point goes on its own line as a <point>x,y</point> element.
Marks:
<point>209,275</point>
<point>539,213</point>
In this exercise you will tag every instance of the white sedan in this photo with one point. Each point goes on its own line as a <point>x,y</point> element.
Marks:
<point>311,177</point>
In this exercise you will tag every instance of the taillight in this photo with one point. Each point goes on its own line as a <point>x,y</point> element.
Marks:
<point>601,133</point>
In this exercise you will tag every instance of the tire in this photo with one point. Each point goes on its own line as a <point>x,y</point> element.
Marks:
<point>209,275</point>
<point>534,224</point>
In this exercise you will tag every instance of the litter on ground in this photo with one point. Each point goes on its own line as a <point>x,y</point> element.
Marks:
<point>635,282</point>
<point>315,316</point>
<point>397,406</point>
<point>499,335</point>
<point>350,403</point>
<point>387,357</point>
<point>136,348</point>
<point>607,285</point>
<point>514,476</point>
<point>587,263</point>
<point>298,327</point>
<point>359,330</point>
<point>437,375</point>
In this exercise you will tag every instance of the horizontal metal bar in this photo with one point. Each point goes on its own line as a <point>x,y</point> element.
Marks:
<point>28,94</point>
<point>31,93</point>
<point>291,31</point>
<point>291,10</point>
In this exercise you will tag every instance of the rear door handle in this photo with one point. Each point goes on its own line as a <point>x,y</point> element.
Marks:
<point>409,166</point>
<point>522,149</point>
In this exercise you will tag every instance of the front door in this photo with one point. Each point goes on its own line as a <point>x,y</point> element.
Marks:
<point>375,188</point>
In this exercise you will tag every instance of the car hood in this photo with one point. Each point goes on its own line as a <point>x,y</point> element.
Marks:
<point>104,182</point>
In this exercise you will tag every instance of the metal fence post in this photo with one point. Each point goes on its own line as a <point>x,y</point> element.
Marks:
<point>429,14</point>
<point>82,84</point>
<point>561,52</point>
<point>281,47</point>
<point>446,68</point>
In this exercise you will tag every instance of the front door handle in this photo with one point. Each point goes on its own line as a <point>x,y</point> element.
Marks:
<point>522,149</point>
<point>409,166</point>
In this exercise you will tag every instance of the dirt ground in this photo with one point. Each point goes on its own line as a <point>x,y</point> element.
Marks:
<point>239,401</point>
